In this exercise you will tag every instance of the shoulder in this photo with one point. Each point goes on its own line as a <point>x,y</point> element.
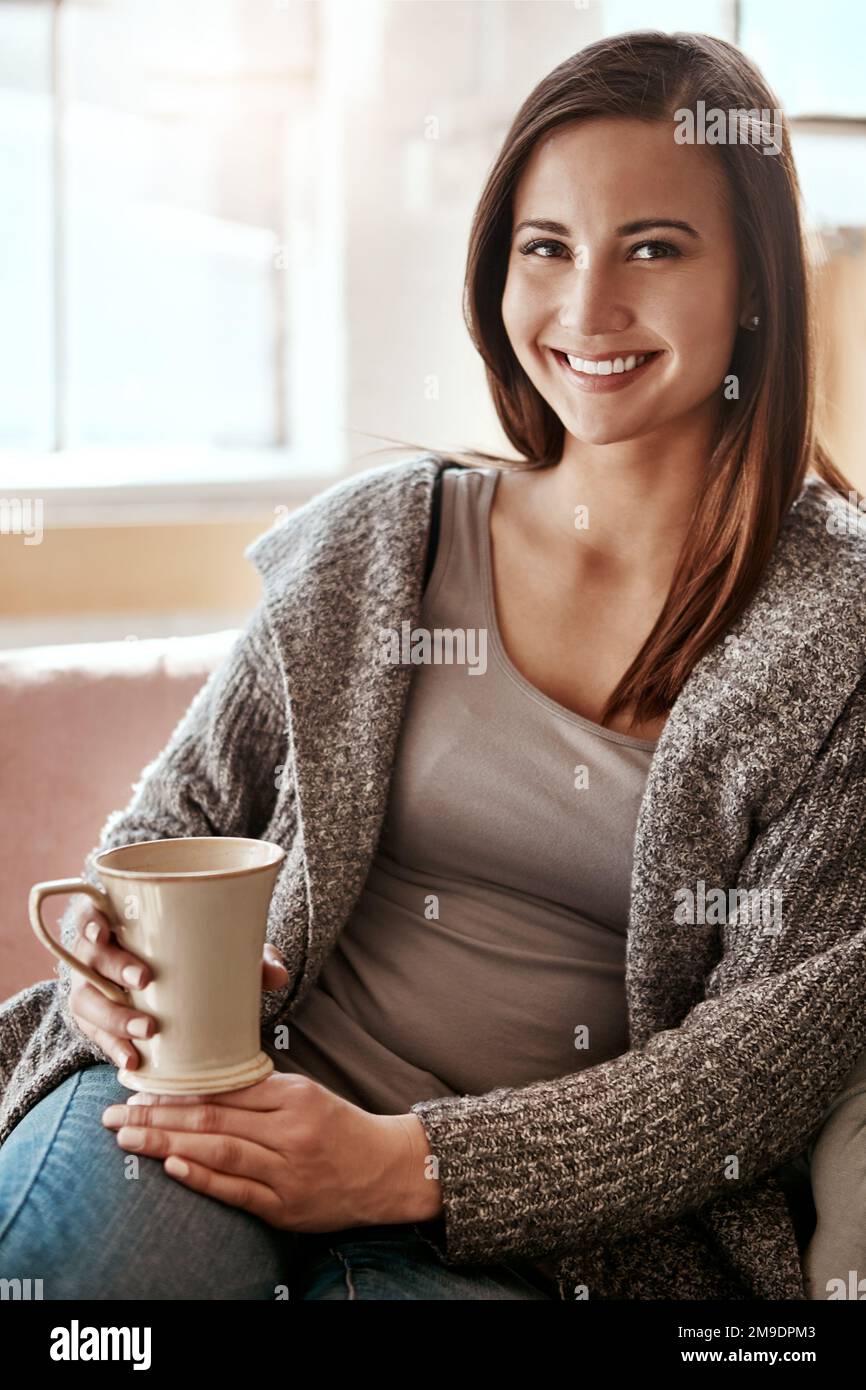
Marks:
<point>365,512</point>
<point>828,529</point>
<point>817,576</point>
<point>793,664</point>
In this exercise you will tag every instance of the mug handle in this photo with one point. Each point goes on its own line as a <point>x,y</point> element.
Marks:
<point>38,892</point>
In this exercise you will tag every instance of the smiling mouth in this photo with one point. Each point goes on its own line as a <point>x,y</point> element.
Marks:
<point>616,364</point>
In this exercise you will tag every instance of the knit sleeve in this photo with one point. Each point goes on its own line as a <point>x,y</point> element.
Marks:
<point>218,774</point>
<point>727,1096</point>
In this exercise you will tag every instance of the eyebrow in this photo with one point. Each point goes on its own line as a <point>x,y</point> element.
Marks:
<point>646,224</point>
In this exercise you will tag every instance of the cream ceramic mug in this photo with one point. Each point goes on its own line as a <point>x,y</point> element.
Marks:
<point>196,910</point>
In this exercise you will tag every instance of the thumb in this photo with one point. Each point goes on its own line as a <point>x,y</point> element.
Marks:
<point>274,972</point>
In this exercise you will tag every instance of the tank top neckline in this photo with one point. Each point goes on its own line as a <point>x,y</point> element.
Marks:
<point>490,479</point>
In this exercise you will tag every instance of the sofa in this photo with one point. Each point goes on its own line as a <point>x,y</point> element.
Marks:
<point>77,724</point>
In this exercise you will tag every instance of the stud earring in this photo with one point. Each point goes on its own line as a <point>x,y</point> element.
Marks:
<point>752,323</point>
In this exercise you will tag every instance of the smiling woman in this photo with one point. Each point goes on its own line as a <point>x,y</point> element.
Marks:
<point>637,295</point>
<point>502,1030</point>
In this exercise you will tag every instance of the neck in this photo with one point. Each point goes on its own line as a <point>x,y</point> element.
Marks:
<point>639,497</point>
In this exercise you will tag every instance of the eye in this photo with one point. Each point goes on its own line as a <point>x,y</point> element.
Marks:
<point>666,248</point>
<point>531,246</point>
<point>644,251</point>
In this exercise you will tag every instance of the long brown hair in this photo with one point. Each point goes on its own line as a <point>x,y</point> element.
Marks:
<point>767,443</point>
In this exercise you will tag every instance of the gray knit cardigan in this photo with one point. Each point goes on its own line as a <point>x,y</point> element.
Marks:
<point>650,1175</point>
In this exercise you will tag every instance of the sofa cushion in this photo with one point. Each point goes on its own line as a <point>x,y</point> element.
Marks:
<point>78,723</point>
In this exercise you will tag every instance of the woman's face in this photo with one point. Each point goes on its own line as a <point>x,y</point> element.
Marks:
<point>615,280</point>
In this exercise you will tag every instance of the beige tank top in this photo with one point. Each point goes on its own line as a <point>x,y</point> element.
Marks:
<point>488,945</point>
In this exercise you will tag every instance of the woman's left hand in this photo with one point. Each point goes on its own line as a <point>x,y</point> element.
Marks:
<point>289,1151</point>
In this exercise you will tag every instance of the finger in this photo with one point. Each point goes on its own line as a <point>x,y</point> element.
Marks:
<point>97,947</point>
<point>227,1153</point>
<point>88,914</point>
<point>148,1098</point>
<point>205,1119</point>
<point>93,1006</point>
<point>254,1197</point>
<point>270,1094</point>
<point>274,975</point>
<point>274,972</point>
<point>122,1054</point>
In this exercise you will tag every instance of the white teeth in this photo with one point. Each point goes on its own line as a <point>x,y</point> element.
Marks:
<point>607,366</point>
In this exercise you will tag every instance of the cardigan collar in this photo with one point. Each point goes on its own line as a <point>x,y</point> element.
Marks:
<point>738,740</point>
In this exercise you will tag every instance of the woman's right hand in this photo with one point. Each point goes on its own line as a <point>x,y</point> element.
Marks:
<point>111,1026</point>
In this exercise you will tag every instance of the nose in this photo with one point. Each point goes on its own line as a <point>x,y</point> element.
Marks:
<point>591,306</point>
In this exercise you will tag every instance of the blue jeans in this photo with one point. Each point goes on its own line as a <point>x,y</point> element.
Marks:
<point>95,1222</point>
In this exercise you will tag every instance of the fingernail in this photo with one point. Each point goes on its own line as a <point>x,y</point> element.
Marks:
<point>133,975</point>
<point>138,1027</point>
<point>130,1137</point>
<point>91,931</point>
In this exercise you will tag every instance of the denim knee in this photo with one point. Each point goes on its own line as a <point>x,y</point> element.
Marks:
<point>92,1221</point>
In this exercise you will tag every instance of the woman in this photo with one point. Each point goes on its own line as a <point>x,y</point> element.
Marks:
<point>570,918</point>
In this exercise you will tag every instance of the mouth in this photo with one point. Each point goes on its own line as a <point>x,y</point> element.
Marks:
<point>600,374</point>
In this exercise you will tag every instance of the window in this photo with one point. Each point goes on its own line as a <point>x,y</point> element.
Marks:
<point>813,59</point>
<point>157,159</point>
